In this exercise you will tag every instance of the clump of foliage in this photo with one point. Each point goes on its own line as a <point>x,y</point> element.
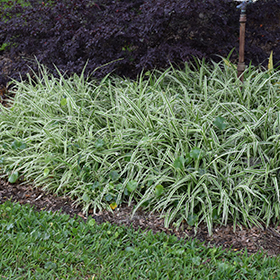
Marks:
<point>188,143</point>
<point>128,36</point>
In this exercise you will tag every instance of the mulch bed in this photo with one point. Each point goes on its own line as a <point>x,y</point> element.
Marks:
<point>254,239</point>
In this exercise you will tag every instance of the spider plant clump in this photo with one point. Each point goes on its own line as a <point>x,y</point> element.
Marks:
<point>190,143</point>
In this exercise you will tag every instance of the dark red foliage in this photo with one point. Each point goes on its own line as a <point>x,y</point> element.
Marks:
<point>134,35</point>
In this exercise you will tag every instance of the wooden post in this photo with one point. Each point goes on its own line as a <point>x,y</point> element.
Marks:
<point>241,63</point>
<point>242,21</point>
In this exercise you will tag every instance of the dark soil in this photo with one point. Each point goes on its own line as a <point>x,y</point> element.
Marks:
<point>254,239</point>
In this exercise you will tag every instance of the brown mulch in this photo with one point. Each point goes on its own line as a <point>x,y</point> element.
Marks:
<point>254,239</point>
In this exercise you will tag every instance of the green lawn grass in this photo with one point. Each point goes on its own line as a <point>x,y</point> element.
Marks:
<point>44,245</point>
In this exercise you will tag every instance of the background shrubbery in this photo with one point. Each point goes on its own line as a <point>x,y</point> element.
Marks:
<point>135,35</point>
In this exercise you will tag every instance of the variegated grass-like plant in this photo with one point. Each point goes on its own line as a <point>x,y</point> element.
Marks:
<point>189,143</point>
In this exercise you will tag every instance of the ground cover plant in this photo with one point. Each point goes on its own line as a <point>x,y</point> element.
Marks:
<point>128,36</point>
<point>194,144</point>
<point>44,245</point>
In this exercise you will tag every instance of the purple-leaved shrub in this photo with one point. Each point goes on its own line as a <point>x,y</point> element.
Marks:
<point>126,37</point>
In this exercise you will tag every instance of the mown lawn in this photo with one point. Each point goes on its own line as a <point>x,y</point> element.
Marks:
<point>44,245</point>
